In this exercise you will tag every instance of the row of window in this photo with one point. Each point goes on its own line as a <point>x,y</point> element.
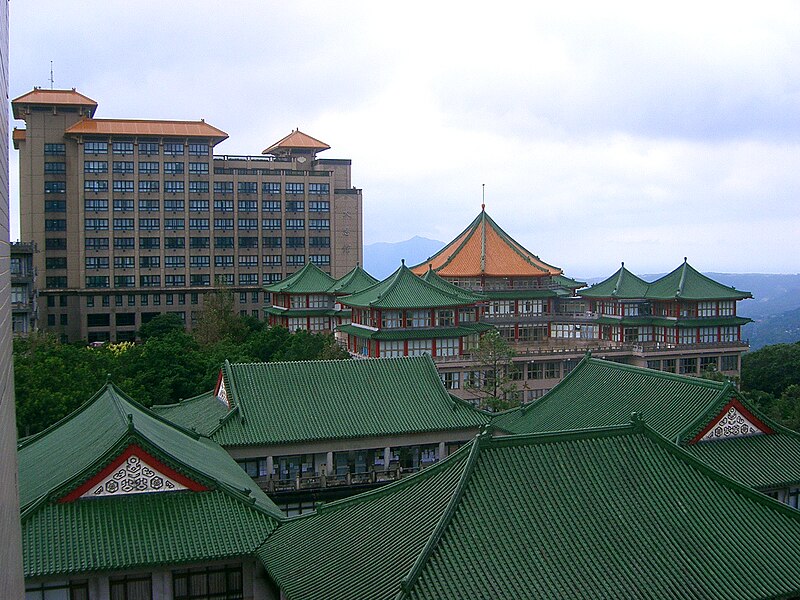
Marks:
<point>148,148</point>
<point>97,263</point>
<point>126,186</point>
<point>178,224</point>
<point>126,167</point>
<point>726,362</point>
<point>154,243</point>
<point>155,299</point>
<point>179,280</point>
<point>179,205</point>
<point>272,188</point>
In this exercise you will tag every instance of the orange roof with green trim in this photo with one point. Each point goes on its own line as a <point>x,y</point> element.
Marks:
<point>484,249</point>
<point>54,97</point>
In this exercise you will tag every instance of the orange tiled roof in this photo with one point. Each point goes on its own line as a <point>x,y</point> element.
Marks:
<point>483,249</point>
<point>18,135</point>
<point>41,96</point>
<point>143,127</point>
<point>297,139</point>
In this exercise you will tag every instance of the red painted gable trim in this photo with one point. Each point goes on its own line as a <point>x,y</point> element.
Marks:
<point>738,406</point>
<point>219,381</point>
<point>146,457</point>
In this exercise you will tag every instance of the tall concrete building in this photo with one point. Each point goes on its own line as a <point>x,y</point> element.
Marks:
<point>135,218</point>
<point>11,584</point>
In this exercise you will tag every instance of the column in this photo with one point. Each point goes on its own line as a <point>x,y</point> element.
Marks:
<point>387,458</point>
<point>329,460</point>
<point>442,450</point>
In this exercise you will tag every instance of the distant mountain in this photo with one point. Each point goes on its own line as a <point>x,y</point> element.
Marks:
<point>382,258</point>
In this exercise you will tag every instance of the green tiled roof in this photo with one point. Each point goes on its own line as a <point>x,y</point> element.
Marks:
<point>567,282</point>
<point>469,296</point>
<point>201,413</point>
<point>686,283</point>
<point>286,402</point>
<point>355,280</point>
<point>415,334</point>
<point>74,450</point>
<point>305,312</point>
<point>599,393</point>
<point>308,280</point>
<point>606,513</point>
<point>403,289</point>
<point>622,285</point>
<point>362,547</point>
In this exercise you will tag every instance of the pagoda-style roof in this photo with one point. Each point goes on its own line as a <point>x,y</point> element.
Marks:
<point>687,283</point>
<point>710,419</point>
<point>605,513</point>
<point>484,249</point>
<point>146,127</point>
<point>622,285</point>
<point>353,281</point>
<point>296,140</point>
<point>403,289</point>
<point>308,280</point>
<point>431,277</point>
<point>113,486</point>
<point>51,97</point>
<point>300,402</point>
<point>201,413</point>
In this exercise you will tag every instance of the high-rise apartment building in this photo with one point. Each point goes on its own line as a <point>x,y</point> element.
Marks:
<point>135,218</point>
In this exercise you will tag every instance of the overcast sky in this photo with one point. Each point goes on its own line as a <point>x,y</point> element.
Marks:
<point>608,133</point>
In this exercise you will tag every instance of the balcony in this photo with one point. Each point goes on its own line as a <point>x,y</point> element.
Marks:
<point>316,482</point>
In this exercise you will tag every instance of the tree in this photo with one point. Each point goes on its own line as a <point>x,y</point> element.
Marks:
<point>495,383</point>
<point>161,325</point>
<point>217,320</point>
<point>771,369</point>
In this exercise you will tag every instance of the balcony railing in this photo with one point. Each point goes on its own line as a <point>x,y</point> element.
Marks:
<point>275,484</point>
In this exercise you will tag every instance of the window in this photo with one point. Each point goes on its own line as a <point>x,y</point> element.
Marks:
<point>248,224</point>
<point>271,224</point>
<point>272,188</point>
<point>248,260</point>
<point>271,206</point>
<point>321,260</point>
<point>175,262</point>
<point>198,150</point>
<point>248,279</point>
<point>223,205</point>
<point>96,262</point>
<point>58,262</point>
<point>212,582</point>
<point>223,242</point>
<point>708,334</point>
<point>58,187</point>
<point>90,166</point>
<point>418,318</point>
<point>198,168</point>
<point>55,206</point>
<point>447,347</point>
<point>198,205</point>
<point>198,187</point>
<point>223,187</point>
<point>294,206</point>
<point>58,243</point>
<point>123,167</point>
<point>319,224</point>
<point>175,280</point>
<point>223,224</point>
<point>199,242</point>
<point>272,242</point>
<point>501,308</point>
<point>55,149</point>
<point>319,242</point>
<point>149,243</point>
<point>74,590</point>
<point>296,260</point>
<point>59,281</point>
<point>727,308</point>
<point>705,309</point>
<point>319,206</point>
<point>174,242</point>
<point>95,147</point>
<point>729,363</point>
<point>268,278</point>
<point>223,261</point>
<point>295,242</point>
<point>55,224</point>
<point>687,336</point>
<point>173,168</point>
<point>173,149</point>
<point>148,148</point>
<point>295,224</point>
<point>688,366</point>
<point>124,186</point>
<point>199,261</point>
<point>137,587</point>
<point>728,334</point>
<point>199,279</point>
<point>122,147</point>
<point>198,224</point>
<point>531,307</point>
<point>248,242</point>
<point>120,224</point>
<point>390,319</point>
<point>147,186</point>
<point>708,363</point>
<point>125,319</point>
<point>95,205</point>
<point>152,205</point>
<point>248,205</point>
<point>97,224</point>
<point>248,187</point>
<point>149,262</point>
<point>124,243</point>
<point>173,187</point>
<point>148,168</point>
<point>149,224</point>
<point>124,262</point>
<point>123,205</point>
<point>294,188</point>
<point>445,318</point>
<point>419,347</point>
<point>174,224</point>
<point>319,189</point>
<point>271,260</point>
<point>94,185</point>
<point>122,281</point>
<point>173,205</point>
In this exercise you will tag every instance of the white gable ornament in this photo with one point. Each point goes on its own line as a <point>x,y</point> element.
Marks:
<point>222,393</point>
<point>134,476</point>
<point>731,425</point>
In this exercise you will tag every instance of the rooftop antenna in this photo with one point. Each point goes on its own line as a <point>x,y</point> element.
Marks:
<point>51,75</point>
<point>483,196</point>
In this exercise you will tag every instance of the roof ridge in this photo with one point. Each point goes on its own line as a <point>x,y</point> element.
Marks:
<point>469,229</point>
<point>518,248</point>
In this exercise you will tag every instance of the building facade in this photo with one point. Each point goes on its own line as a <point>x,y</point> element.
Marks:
<point>136,218</point>
<point>24,300</point>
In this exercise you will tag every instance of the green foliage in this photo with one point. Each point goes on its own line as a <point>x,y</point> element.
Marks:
<point>495,388</point>
<point>771,380</point>
<point>53,379</point>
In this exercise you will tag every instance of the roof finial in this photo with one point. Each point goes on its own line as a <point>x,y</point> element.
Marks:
<point>108,378</point>
<point>403,262</point>
<point>684,259</point>
<point>623,264</point>
<point>483,197</point>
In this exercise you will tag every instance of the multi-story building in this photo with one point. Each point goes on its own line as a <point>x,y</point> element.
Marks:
<point>24,309</point>
<point>135,218</point>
